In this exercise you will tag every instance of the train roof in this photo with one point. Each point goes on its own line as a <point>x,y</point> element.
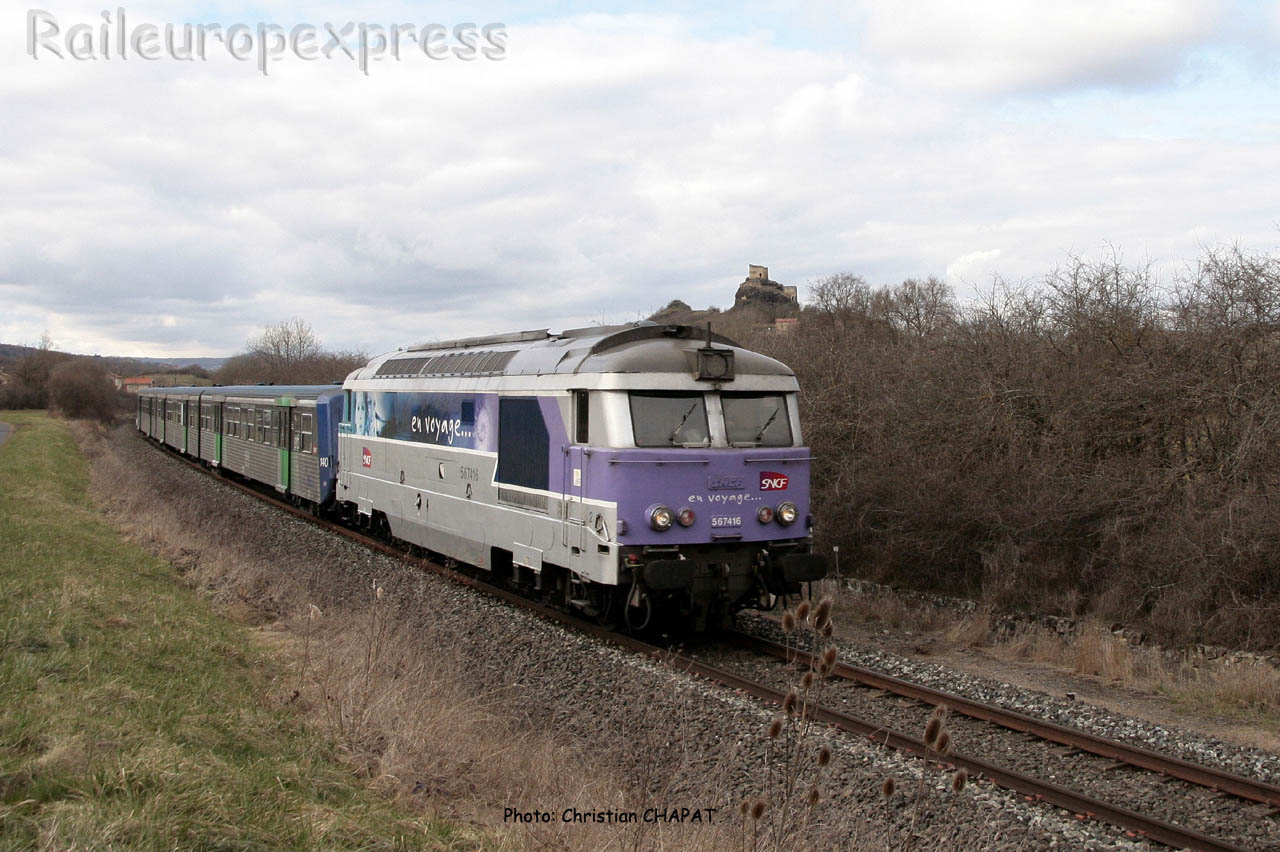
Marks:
<point>642,347</point>
<point>250,391</point>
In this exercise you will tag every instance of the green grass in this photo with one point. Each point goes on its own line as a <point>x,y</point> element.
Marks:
<point>132,716</point>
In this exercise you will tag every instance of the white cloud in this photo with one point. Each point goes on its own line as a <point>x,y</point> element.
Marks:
<point>608,165</point>
<point>1009,45</point>
<point>972,268</point>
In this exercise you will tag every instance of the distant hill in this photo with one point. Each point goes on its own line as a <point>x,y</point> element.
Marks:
<point>207,363</point>
<point>118,363</point>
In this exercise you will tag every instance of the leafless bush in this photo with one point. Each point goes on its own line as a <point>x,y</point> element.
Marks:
<point>1095,440</point>
<point>80,389</point>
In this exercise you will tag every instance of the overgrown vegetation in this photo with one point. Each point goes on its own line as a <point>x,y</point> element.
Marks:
<point>80,389</point>
<point>135,718</point>
<point>1099,442</point>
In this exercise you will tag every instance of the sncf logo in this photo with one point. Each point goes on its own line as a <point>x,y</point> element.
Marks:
<point>773,481</point>
<point>366,457</point>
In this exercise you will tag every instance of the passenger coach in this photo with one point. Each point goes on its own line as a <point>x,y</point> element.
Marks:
<point>284,436</point>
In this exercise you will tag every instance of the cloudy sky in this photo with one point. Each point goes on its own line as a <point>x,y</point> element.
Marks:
<point>615,157</point>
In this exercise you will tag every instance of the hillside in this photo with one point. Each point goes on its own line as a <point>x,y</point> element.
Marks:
<point>121,364</point>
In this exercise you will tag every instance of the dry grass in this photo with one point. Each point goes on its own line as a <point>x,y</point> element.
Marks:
<point>131,715</point>
<point>1247,691</point>
<point>870,605</point>
<point>392,692</point>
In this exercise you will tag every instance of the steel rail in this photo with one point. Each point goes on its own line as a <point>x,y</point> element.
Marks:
<point>1033,788</point>
<point>1205,776</point>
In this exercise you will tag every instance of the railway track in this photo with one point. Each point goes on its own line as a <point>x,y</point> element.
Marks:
<point>1082,805</point>
<point>1243,798</point>
<point>1195,773</point>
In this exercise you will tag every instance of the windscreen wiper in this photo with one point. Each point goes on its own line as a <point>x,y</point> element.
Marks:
<point>768,423</point>
<point>680,426</point>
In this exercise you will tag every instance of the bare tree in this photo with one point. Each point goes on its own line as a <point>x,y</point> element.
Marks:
<point>288,353</point>
<point>842,293</point>
<point>30,387</point>
<point>285,345</point>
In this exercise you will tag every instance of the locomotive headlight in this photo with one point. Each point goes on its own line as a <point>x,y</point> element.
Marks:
<point>787,513</point>
<point>660,518</point>
<point>685,517</point>
<point>765,515</point>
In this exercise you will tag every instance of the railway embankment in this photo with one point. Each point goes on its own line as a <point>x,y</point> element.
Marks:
<point>507,719</point>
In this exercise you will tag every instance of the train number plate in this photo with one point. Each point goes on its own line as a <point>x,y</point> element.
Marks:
<point>726,521</point>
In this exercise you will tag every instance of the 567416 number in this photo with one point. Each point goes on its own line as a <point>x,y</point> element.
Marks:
<point>726,521</point>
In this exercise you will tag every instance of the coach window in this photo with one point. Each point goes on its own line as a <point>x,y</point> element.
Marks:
<point>250,424</point>
<point>307,439</point>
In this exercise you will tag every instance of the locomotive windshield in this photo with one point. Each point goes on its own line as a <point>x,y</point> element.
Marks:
<point>756,420</point>
<point>669,420</point>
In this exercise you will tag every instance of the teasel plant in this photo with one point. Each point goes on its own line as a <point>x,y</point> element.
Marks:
<point>938,745</point>
<point>795,763</point>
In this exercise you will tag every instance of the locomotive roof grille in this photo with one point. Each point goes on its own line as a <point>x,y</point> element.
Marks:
<point>453,364</point>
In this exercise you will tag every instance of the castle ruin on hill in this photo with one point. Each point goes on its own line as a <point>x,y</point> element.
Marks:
<point>758,289</point>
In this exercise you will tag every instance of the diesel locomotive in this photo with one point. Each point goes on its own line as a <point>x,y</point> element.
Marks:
<point>633,473</point>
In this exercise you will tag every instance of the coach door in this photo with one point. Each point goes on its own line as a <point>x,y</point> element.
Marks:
<point>280,437</point>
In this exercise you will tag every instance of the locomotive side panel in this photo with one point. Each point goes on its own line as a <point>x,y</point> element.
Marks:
<point>463,473</point>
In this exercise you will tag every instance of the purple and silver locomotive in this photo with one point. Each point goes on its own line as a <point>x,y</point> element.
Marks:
<point>631,472</point>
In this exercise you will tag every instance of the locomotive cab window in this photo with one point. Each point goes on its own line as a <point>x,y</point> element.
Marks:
<point>756,419</point>
<point>669,420</point>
